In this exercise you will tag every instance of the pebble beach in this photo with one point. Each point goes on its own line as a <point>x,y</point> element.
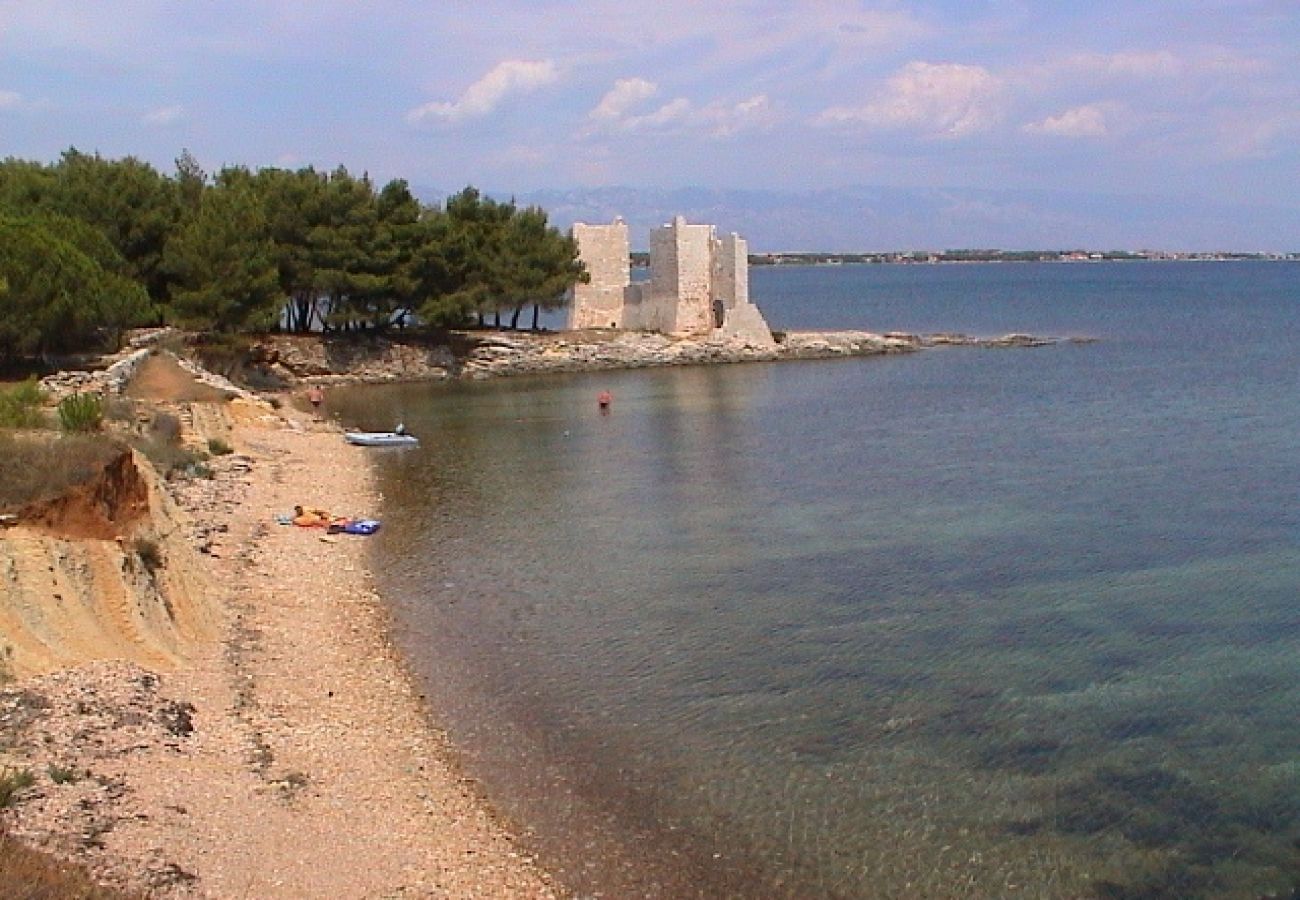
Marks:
<point>290,755</point>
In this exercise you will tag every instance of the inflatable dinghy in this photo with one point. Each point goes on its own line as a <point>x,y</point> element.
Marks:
<point>380,438</point>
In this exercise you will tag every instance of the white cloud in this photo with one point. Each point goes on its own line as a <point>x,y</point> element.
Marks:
<point>485,95</point>
<point>10,99</point>
<point>617,112</point>
<point>622,97</point>
<point>753,113</point>
<point>941,99</point>
<point>164,115</point>
<point>1081,121</point>
<point>672,112</point>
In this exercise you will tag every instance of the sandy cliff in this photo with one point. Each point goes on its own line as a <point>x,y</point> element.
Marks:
<point>104,572</point>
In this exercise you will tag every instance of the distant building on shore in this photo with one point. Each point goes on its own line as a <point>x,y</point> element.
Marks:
<point>698,286</point>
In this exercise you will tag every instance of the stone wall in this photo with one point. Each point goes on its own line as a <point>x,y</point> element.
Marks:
<point>730,274</point>
<point>604,250</point>
<point>688,278</point>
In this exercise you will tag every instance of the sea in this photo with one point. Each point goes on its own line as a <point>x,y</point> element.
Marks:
<point>965,622</point>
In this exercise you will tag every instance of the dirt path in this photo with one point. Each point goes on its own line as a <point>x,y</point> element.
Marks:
<point>161,378</point>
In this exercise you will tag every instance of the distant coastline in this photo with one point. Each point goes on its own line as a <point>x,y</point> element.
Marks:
<point>641,259</point>
<point>927,257</point>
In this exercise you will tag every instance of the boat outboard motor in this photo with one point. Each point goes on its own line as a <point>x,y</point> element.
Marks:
<point>400,429</point>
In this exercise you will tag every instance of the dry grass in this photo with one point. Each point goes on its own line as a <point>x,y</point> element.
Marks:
<point>27,874</point>
<point>20,405</point>
<point>37,467</point>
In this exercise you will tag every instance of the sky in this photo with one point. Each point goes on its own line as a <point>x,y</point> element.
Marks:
<point>1155,104</point>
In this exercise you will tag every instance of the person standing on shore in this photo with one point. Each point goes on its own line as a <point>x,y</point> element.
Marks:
<point>316,397</point>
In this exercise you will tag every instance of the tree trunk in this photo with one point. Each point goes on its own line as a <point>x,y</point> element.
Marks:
<point>537,311</point>
<point>514,319</point>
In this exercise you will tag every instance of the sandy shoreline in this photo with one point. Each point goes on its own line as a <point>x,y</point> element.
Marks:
<point>292,756</point>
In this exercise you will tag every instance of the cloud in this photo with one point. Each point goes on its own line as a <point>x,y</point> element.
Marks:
<point>1081,121</point>
<point>164,115</point>
<point>10,99</point>
<point>941,99</point>
<point>485,95</point>
<point>622,97</point>
<point>726,120</point>
<point>616,112</point>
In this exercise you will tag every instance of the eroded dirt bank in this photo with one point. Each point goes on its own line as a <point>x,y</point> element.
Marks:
<point>229,720</point>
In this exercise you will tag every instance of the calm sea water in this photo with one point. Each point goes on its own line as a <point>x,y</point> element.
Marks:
<point>962,623</point>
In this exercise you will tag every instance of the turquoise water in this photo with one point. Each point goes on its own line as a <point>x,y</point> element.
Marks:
<point>960,623</point>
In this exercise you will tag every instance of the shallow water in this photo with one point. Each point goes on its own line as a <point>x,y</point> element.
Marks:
<point>960,623</point>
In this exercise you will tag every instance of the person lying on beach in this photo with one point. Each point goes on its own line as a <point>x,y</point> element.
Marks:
<point>311,517</point>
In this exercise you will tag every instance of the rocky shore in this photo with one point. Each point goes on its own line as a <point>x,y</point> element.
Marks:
<point>479,355</point>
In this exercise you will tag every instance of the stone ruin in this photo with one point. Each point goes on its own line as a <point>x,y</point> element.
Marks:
<point>698,286</point>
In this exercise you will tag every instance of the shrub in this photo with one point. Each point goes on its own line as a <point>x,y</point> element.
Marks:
<point>81,412</point>
<point>42,467</point>
<point>166,427</point>
<point>166,456</point>
<point>149,554</point>
<point>20,405</point>
<point>218,447</point>
<point>119,409</point>
<point>12,782</point>
<point>27,874</point>
<point>173,342</point>
<point>224,354</point>
<point>63,774</point>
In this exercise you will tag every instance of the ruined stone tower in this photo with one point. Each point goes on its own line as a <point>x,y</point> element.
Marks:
<point>698,286</point>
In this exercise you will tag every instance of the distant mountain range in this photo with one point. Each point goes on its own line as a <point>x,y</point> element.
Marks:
<point>864,219</point>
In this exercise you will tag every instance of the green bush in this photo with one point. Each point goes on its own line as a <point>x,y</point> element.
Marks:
<point>20,406</point>
<point>12,782</point>
<point>63,774</point>
<point>218,447</point>
<point>81,412</point>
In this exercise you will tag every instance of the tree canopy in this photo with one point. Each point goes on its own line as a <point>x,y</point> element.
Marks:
<point>65,287</point>
<point>95,245</point>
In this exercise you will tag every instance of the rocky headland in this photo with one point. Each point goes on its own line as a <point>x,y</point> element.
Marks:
<point>475,355</point>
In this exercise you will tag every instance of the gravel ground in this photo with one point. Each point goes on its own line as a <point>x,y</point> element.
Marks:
<point>292,757</point>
